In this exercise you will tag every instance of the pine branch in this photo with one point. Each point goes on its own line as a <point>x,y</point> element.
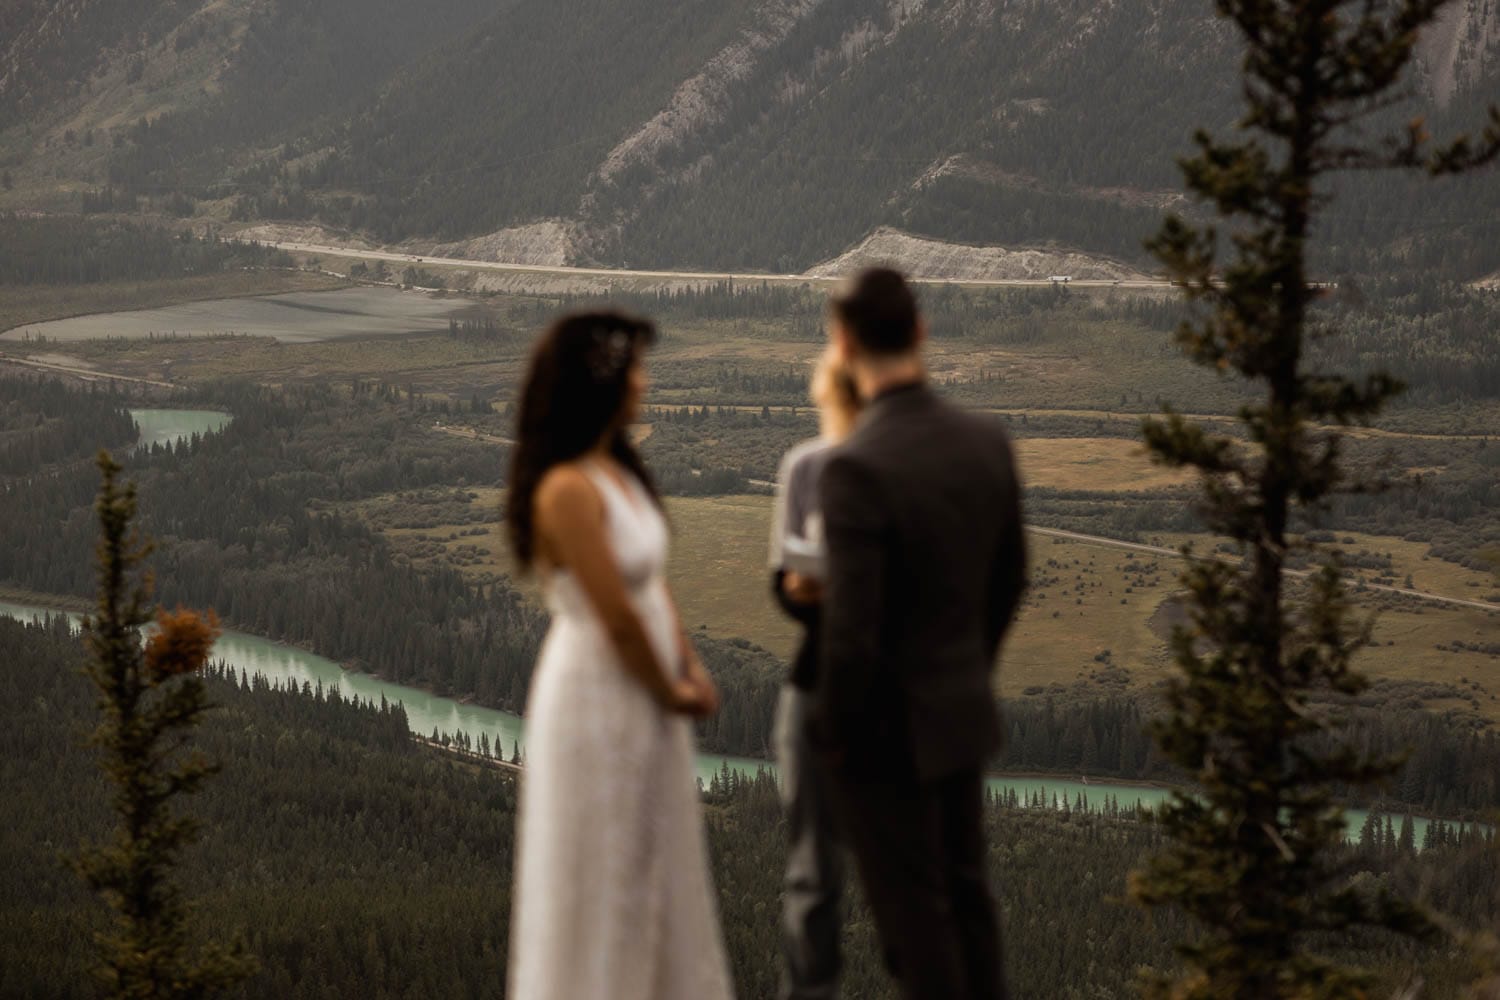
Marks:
<point>150,699</point>
<point>1253,854</point>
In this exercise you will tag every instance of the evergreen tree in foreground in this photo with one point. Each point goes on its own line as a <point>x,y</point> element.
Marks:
<point>1254,859</point>
<point>150,699</point>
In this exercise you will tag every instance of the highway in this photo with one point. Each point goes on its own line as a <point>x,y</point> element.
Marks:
<point>622,274</point>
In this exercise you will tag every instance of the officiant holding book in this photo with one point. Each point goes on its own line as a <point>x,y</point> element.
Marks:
<point>810,926</point>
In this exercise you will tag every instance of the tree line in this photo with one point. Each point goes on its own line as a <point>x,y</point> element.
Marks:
<point>248,522</point>
<point>1451,762</point>
<point>351,861</point>
<point>67,250</point>
<point>42,422</point>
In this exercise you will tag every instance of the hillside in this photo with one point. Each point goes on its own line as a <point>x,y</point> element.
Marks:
<point>770,135</point>
<point>156,96</point>
<point>353,863</point>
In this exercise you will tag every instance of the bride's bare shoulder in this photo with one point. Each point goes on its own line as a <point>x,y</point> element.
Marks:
<point>569,509</point>
<point>566,487</point>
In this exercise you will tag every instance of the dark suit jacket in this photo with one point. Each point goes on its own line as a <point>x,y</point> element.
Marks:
<point>926,564</point>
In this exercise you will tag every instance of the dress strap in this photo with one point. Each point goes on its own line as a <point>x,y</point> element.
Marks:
<point>606,482</point>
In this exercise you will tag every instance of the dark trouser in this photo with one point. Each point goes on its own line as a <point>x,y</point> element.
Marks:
<point>920,850</point>
<point>810,920</point>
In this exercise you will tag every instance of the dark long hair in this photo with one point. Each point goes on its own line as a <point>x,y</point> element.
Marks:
<point>573,394</point>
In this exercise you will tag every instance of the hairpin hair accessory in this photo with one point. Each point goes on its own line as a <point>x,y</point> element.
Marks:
<point>611,353</point>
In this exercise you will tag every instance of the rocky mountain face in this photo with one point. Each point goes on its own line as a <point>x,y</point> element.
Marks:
<point>927,258</point>
<point>49,49</point>
<point>770,134</point>
<point>1462,50</point>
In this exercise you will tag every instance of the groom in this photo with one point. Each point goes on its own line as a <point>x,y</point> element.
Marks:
<point>926,565</point>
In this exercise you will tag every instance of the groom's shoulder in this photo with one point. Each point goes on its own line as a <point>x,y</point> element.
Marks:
<point>964,446</point>
<point>930,425</point>
<point>964,428</point>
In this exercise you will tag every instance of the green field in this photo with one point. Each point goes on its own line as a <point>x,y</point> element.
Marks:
<point>1096,618</point>
<point>1072,379</point>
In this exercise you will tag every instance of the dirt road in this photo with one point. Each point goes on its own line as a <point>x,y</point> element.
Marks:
<point>1159,550</point>
<point>89,373</point>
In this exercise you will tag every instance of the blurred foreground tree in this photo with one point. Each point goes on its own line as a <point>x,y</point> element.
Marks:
<point>150,698</point>
<point>1255,857</point>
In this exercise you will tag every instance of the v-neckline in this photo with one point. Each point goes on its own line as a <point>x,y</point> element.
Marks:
<point>622,488</point>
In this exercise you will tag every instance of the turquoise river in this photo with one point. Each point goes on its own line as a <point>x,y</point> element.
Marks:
<point>426,712</point>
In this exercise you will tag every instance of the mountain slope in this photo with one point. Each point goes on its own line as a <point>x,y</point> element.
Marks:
<point>770,134</point>
<point>50,48</point>
<point>802,127</point>
<point>162,96</point>
<point>507,124</point>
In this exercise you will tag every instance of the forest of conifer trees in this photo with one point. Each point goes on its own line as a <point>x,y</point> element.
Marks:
<point>352,861</point>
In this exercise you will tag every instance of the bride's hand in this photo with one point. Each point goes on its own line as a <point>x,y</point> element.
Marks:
<point>687,697</point>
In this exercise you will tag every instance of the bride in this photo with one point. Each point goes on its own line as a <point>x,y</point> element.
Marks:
<point>612,893</point>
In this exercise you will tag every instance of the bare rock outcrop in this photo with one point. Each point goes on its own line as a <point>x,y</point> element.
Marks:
<point>701,99</point>
<point>294,232</point>
<point>550,243</point>
<point>936,260</point>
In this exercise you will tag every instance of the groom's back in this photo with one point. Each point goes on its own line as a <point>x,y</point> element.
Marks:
<point>953,551</point>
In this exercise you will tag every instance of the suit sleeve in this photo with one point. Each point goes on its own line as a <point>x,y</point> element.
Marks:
<point>857,531</point>
<point>1007,571</point>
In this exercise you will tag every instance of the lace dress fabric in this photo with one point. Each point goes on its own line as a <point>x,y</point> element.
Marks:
<point>612,893</point>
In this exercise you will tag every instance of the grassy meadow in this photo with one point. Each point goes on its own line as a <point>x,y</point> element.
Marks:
<point>1096,619</point>
<point>1072,375</point>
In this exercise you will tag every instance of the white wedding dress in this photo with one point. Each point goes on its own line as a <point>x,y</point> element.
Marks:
<point>612,893</point>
